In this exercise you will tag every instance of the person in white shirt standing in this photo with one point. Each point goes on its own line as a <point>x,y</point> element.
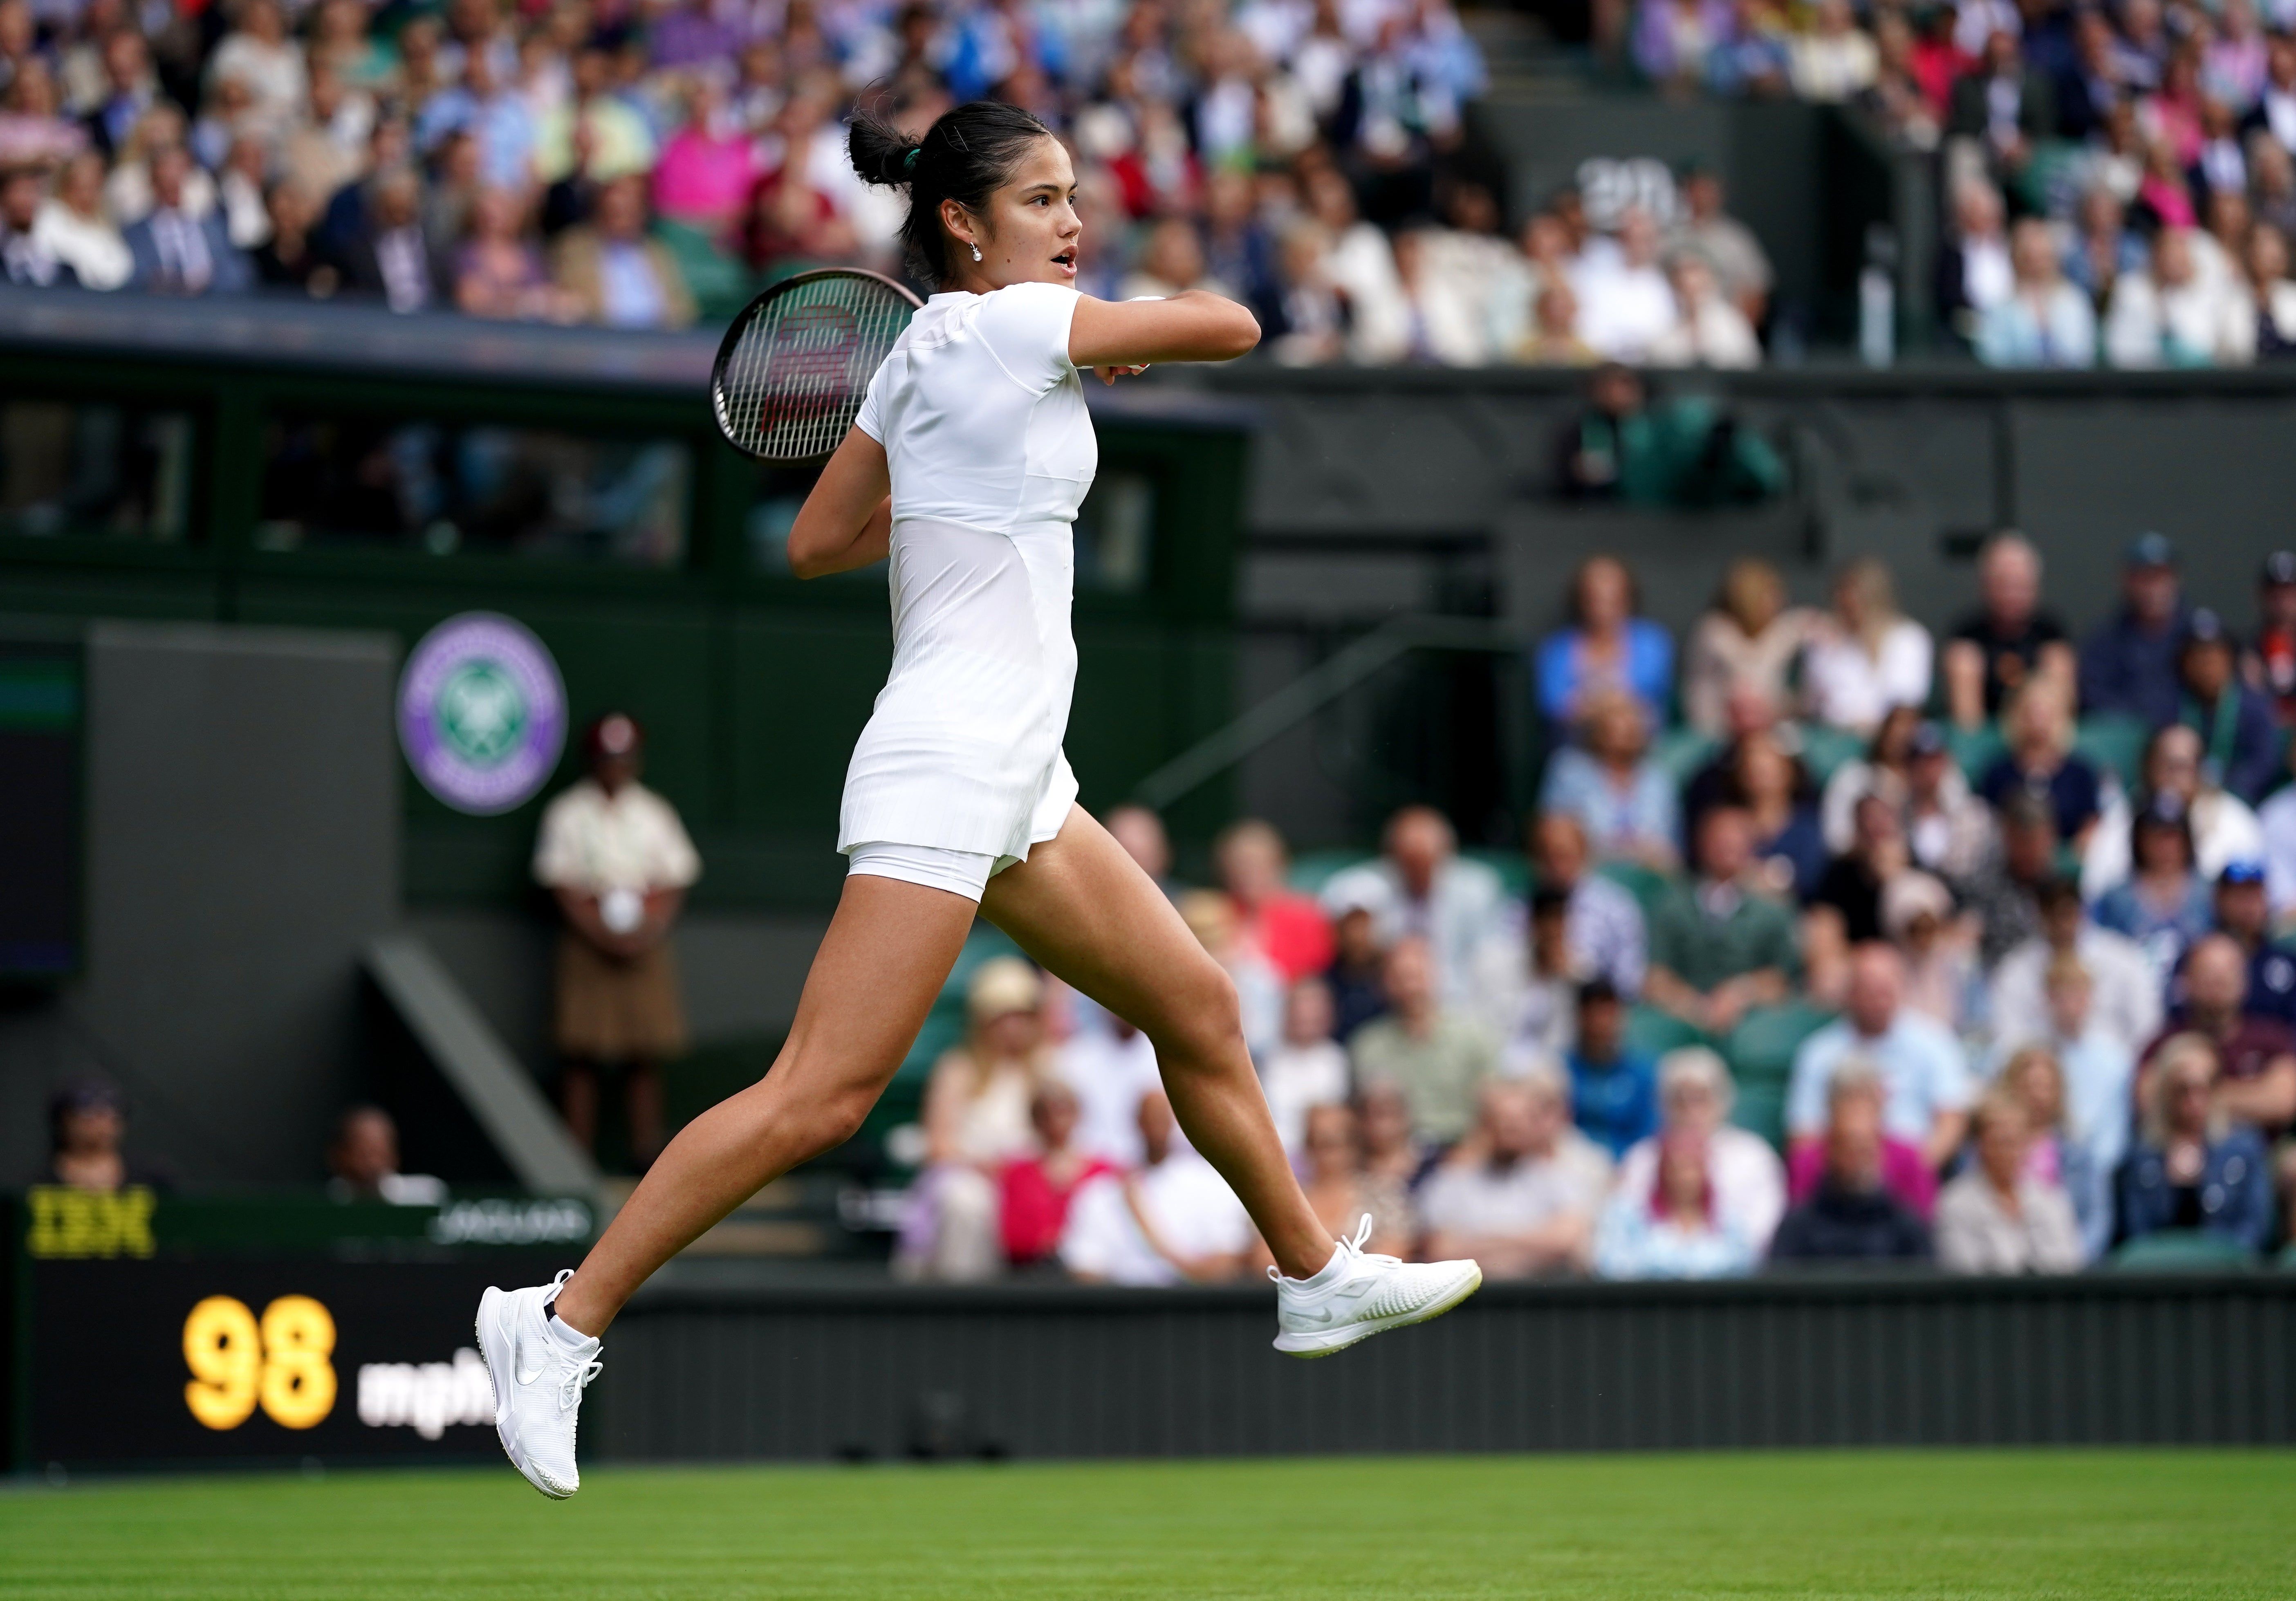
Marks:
<point>965,468</point>
<point>620,863</point>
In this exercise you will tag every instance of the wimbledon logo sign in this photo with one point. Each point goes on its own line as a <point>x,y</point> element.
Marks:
<point>481,712</point>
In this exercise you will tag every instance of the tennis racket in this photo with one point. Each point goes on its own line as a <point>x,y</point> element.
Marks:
<point>792,372</point>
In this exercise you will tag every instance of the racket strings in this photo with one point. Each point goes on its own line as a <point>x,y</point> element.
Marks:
<point>798,372</point>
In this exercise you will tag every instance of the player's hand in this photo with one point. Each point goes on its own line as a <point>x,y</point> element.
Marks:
<point>1110,374</point>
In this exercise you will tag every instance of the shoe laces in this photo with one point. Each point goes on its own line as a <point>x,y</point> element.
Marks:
<point>578,1375</point>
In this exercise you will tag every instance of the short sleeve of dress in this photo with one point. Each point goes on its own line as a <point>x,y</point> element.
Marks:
<point>871,418</point>
<point>1026,326</point>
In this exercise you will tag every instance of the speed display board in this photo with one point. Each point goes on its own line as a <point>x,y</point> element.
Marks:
<point>159,1361</point>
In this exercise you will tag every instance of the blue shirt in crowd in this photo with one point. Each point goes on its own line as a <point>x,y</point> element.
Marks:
<point>1920,1061</point>
<point>2073,793</point>
<point>1648,670</point>
<point>2131,670</point>
<point>1614,1103</point>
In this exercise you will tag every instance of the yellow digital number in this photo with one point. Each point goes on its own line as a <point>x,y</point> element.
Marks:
<point>222,1347</point>
<point>281,1362</point>
<point>298,1386</point>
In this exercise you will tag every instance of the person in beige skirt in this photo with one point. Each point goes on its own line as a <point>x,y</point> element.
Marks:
<point>619,862</point>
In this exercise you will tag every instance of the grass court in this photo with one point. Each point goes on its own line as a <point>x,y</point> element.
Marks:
<point>2157,1524</point>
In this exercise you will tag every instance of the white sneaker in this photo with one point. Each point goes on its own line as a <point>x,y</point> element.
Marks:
<point>538,1383</point>
<point>1360,1294</point>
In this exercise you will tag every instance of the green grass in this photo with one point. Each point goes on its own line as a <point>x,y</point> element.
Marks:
<point>2156,1524</point>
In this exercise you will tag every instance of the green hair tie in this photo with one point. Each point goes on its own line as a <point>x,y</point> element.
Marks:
<point>909,161</point>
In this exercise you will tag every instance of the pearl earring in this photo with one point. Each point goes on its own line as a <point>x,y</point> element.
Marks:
<point>976,252</point>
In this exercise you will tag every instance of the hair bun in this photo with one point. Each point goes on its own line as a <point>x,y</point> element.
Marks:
<point>880,151</point>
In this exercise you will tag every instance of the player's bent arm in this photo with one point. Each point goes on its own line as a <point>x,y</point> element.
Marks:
<point>1193,325</point>
<point>848,521</point>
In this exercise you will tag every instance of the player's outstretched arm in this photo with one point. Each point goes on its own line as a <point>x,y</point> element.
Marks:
<point>1193,325</point>
<point>848,520</point>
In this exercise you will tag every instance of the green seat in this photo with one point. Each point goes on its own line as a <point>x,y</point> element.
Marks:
<point>1974,749</point>
<point>1653,1032</point>
<point>1313,869</point>
<point>2181,1250</point>
<point>1682,752</point>
<point>1647,885</point>
<point>720,284</point>
<point>1760,1052</point>
<point>1825,751</point>
<point>2113,742</point>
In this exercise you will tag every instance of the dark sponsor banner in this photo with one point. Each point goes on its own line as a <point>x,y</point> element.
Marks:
<point>175,1361</point>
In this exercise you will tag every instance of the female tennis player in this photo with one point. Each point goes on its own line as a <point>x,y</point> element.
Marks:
<point>966,465</point>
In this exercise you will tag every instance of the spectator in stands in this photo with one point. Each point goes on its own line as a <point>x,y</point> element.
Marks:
<point>289,261</point>
<point>2095,1075</point>
<point>2255,1053</point>
<point>1998,1216</point>
<point>1359,264</point>
<point>2040,761</point>
<point>1883,770</point>
<point>1623,798</point>
<point>1308,1069</point>
<point>2128,666</point>
<point>1613,1087</point>
<point>1952,832</point>
<point>1421,885</point>
<point>1941,975</point>
<point>1695,1094</point>
<point>1172,1221</point>
<point>1607,646</point>
<point>1034,1191</point>
<point>1625,303</point>
<point>617,859</point>
<point>497,274</point>
<point>1708,330</point>
<point>1678,453</point>
<point>2176,315</point>
<point>1109,1068</point>
<point>1435,1054</point>
<point>2244,916</point>
<point>2239,734</point>
<point>363,1162</point>
<point>613,274</point>
<point>2122,998</point>
<point>1781,803</point>
<point>2269,664</point>
<point>2194,1167</point>
<point>1846,905</point>
<point>1719,948</point>
<point>25,259</point>
<point>1672,1228</point>
<point>1739,261</point>
<point>2104,247</point>
<point>74,227</point>
<point>179,250</point>
<point>1865,658</point>
<point>1391,1150</point>
<point>1212,917</point>
<point>977,1121</point>
<point>1524,1202</point>
<point>1283,925</point>
<point>1343,1194</point>
<point>1539,1019</point>
<point>393,257</point>
<point>2224,829</point>
<point>1920,1065</point>
<point>87,1131</point>
<point>2164,905</point>
<point>1747,715</point>
<point>2044,321</point>
<point>1975,272</point>
<point>2009,640</point>
<point>2004,893</point>
<point>1746,641</point>
<point>1356,975</point>
<point>1850,1214</point>
<point>1605,932</point>
<point>1141,833</point>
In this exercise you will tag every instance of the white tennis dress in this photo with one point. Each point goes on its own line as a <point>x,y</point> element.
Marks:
<point>990,448</point>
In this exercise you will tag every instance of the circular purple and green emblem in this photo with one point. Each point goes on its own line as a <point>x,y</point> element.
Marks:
<point>481,712</point>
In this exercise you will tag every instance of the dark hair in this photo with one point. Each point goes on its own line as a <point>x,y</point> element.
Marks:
<point>1549,903</point>
<point>967,153</point>
<point>1598,992</point>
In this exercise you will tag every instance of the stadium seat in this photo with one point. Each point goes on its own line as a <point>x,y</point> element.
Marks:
<point>720,284</point>
<point>2181,1251</point>
<point>2114,743</point>
<point>1682,752</point>
<point>1647,885</point>
<point>1760,1053</point>
<point>1974,749</point>
<point>1653,1032</point>
<point>1824,749</point>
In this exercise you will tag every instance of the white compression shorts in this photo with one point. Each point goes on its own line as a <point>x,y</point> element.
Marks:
<point>964,872</point>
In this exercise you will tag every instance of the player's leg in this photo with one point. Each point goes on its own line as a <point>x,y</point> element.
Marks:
<point>1085,910</point>
<point>1089,916</point>
<point>888,951</point>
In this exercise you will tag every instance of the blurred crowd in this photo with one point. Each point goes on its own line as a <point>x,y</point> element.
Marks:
<point>647,163</point>
<point>1833,940</point>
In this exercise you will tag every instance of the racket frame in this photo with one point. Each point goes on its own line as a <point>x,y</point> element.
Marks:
<point>748,313</point>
